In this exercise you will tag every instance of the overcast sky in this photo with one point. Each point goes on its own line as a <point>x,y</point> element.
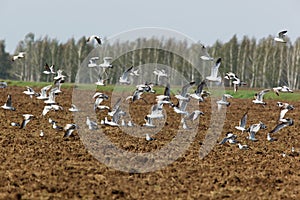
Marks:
<point>205,21</point>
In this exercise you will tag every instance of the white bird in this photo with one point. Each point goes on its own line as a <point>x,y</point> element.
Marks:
<point>259,97</point>
<point>110,123</point>
<point>282,89</point>
<point>148,138</point>
<point>206,56</point>
<point>242,123</point>
<point>160,73</point>
<point>73,108</point>
<point>106,63</point>
<point>69,128</point>
<point>27,118</point>
<point>223,101</point>
<point>30,92</point>
<point>285,107</point>
<point>51,97</point>
<point>43,94</point>
<point>280,37</point>
<point>194,115</point>
<point>92,62</point>
<point>198,92</point>
<point>243,146</point>
<point>18,56</point>
<point>91,124</point>
<point>99,97</point>
<point>14,124</point>
<point>269,138</point>
<point>42,133</point>
<point>184,91</point>
<point>8,104</point>
<point>282,125</point>
<point>48,70</point>
<point>253,129</point>
<point>149,122</point>
<point>100,81</point>
<point>230,137</point>
<point>3,84</point>
<point>184,125</point>
<point>156,112</point>
<point>56,127</point>
<point>214,72</point>
<point>59,75</point>
<point>94,37</point>
<point>124,79</point>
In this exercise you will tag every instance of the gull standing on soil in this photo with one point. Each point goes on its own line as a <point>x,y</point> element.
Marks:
<point>19,56</point>
<point>280,37</point>
<point>242,123</point>
<point>214,72</point>
<point>259,97</point>
<point>148,138</point>
<point>8,104</point>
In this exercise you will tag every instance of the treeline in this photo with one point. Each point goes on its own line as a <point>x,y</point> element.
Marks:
<point>262,63</point>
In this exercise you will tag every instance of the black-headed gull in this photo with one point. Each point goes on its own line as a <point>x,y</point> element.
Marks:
<point>3,84</point>
<point>214,72</point>
<point>49,70</point>
<point>253,129</point>
<point>184,91</point>
<point>69,128</point>
<point>18,56</point>
<point>205,57</point>
<point>223,101</point>
<point>160,73</point>
<point>8,104</point>
<point>94,37</point>
<point>92,62</point>
<point>230,138</point>
<point>242,123</point>
<point>198,92</point>
<point>29,91</point>
<point>124,79</point>
<point>149,138</point>
<point>259,97</point>
<point>91,124</point>
<point>27,118</point>
<point>43,94</point>
<point>280,37</point>
<point>282,125</point>
<point>243,146</point>
<point>106,63</point>
<point>282,89</point>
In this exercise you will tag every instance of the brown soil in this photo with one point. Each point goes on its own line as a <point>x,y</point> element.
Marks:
<point>53,167</point>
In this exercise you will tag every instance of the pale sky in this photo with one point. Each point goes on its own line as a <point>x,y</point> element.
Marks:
<point>204,21</point>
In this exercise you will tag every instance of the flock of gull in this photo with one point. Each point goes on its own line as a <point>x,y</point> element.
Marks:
<point>115,114</point>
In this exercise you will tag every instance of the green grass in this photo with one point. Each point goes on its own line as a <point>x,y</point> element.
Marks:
<point>241,93</point>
